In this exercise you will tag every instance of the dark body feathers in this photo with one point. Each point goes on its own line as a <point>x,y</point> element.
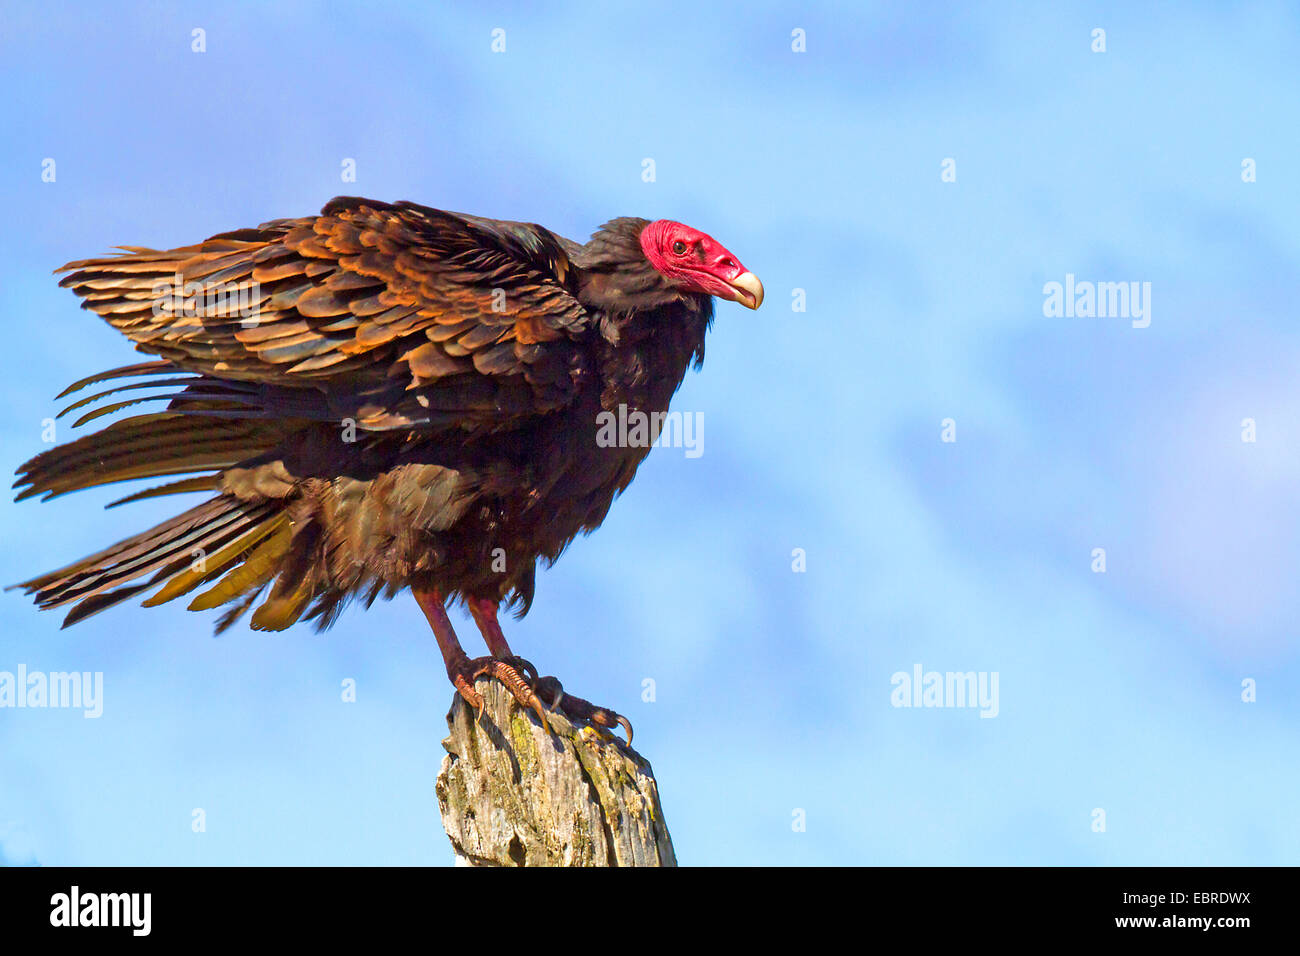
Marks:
<point>393,395</point>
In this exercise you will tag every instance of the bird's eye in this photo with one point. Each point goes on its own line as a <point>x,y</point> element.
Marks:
<point>679,247</point>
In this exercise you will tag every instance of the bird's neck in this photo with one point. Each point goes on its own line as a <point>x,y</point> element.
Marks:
<point>644,354</point>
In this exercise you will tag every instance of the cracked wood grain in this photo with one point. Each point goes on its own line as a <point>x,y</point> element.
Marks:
<point>511,794</point>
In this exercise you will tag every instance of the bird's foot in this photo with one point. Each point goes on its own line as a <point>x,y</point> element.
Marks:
<point>576,709</point>
<point>525,668</point>
<point>508,672</point>
<point>536,693</point>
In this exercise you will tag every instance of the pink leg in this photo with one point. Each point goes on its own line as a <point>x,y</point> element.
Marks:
<point>484,612</point>
<point>461,670</point>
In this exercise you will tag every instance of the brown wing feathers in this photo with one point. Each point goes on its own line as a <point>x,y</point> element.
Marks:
<point>394,315</point>
<point>365,287</point>
<point>145,446</point>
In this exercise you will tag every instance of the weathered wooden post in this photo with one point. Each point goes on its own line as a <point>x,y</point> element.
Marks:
<point>511,794</point>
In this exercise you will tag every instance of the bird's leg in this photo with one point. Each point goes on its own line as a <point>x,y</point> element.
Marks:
<point>484,612</point>
<point>462,670</point>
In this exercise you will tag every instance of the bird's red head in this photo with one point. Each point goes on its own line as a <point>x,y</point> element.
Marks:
<point>696,262</point>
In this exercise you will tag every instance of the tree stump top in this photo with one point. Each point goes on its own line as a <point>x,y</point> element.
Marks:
<point>511,794</point>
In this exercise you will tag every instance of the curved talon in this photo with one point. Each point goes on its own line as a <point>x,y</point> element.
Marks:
<point>551,688</point>
<point>540,711</point>
<point>466,690</point>
<point>627,725</point>
<point>466,671</point>
<point>577,709</point>
<point>607,719</point>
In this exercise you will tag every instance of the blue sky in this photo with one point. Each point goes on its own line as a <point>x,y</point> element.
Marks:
<point>1119,691</point>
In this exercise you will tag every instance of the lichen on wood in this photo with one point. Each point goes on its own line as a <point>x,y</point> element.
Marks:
<point>512,794</point>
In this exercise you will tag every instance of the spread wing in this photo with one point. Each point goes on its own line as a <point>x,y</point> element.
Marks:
<point>398,314</point>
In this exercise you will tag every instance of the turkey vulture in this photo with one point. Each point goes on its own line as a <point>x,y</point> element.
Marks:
<point>382,396</point>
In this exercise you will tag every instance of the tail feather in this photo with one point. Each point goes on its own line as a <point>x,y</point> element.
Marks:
<point>215,564</point>
<point>237,545</point>
<point>232,616</point>
<point>256,569</point>
<point>97,603</point>
<point>198,538</point>
<point>294,587</point>
<point>224,530</point>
